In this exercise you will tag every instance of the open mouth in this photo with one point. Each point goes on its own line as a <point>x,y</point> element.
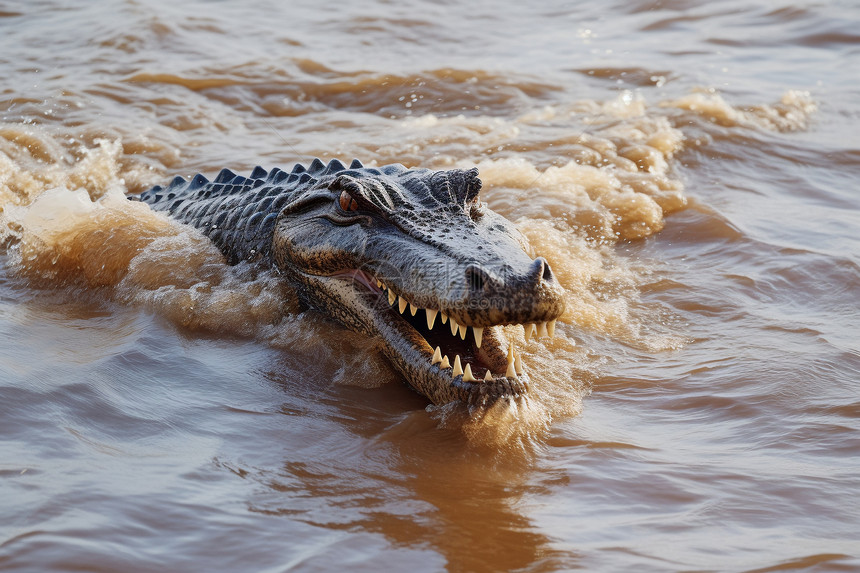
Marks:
<point>479,360</point>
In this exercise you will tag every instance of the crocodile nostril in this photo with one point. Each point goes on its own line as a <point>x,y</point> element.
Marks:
<point>547,273</point>
<point>541,271</point>
<point>476,277</point>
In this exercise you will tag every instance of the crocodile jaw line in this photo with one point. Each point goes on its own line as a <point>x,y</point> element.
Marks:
<point>494,368</point>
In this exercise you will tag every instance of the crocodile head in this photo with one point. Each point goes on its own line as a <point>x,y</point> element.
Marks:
<point>414,257</point>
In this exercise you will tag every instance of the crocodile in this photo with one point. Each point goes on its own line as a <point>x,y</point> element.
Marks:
<point>411,256</point>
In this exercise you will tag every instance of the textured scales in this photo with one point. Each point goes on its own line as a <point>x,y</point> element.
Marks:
<point>363,245</point>
<point>239,213</point>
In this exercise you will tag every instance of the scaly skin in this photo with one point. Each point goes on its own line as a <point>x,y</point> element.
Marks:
<point>386,252</point>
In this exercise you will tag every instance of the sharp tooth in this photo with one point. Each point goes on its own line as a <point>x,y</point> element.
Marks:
<point>462,332</point>
<point>529,330</point>
<point>458,368</point>
<point>511,372</point>
<point>467,375</point>
<point>518,364</point>
<point>382,285</point>
<point>412,309</point>
<point>542,330</point>
<point>550,328</point>
<point>391,297</point>
<point>453,327</point>
<point>479,335</point>
<point>444,318</point>
<point>431,317</point>
<point>437,356</point>
<point>379,283</point>
<point>402,305</point>
<point>445,363</point>
<point>488,377</point>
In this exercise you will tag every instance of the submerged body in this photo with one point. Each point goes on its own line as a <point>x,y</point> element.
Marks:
<point>363,245</point>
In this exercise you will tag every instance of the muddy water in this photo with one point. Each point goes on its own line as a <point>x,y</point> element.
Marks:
<point>689,168</point>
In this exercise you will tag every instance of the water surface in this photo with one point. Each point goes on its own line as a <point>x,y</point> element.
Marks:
<point>689,169</point>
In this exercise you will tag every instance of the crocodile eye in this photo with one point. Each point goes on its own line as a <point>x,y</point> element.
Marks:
<point>347,203</point>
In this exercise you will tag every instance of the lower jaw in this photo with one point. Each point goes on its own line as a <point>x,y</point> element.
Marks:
<point>412,355</point>
<point>436,383</point>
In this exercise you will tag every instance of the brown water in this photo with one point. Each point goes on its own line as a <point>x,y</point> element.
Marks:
<point>689,168</point>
